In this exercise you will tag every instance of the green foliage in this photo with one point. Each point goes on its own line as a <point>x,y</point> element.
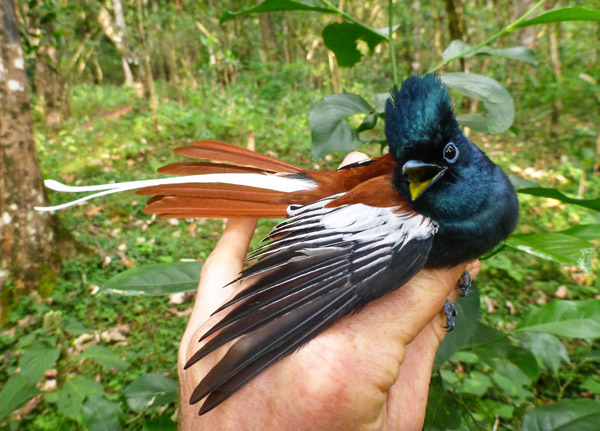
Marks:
<point>566,415</point>
<point>157,279</point>
<point>150,390</point>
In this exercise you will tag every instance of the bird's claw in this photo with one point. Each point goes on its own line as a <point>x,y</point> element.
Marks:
<point>464,284</point>
<point>451,313</point>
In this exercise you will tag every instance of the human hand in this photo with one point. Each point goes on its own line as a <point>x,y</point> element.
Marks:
<point>370,370</point>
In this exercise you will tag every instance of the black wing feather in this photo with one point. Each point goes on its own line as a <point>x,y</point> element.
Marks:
<point>323,264</point>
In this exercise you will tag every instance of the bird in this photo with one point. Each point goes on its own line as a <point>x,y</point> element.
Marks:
<point>349,236</point>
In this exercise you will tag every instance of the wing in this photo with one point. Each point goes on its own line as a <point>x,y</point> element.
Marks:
<point>326,260</point>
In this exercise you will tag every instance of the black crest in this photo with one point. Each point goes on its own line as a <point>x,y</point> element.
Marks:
<point>419,113</point>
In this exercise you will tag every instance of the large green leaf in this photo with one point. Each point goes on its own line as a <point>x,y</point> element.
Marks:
<point>105,357</point>
<point>150,390</point>
<point>556,247</point>
<point>575,13</point>
<point>573,319</point>
<point>278,5</point>
<point>546,347</point>
<point>468,310</point>
<point>22,386</point>
<point>497,100</point>
<point>37,360</point>
<point>329,130</point>
<point>15,392</point>
<point>101,415</point>
<point>565,415</point>
<point>546,192</point>
<point>443,410</point>
<point>588,232</point>
<point>342,38</point>
<point>156,279</point>
<point>72,395</point>
<point>519,53</point>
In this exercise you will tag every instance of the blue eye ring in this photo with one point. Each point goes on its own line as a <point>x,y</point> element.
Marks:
<point>450,152</point>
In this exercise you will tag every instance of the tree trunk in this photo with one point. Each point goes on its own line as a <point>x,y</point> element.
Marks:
<point>415,64</point>
<point>28,250</point>
<point>269,38</point>
<point>148,68</point>
<point>454,10</point>
<point>554,33</point>
<point>51,84</point>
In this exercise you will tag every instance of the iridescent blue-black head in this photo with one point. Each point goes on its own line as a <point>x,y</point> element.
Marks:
<point>438,169</point>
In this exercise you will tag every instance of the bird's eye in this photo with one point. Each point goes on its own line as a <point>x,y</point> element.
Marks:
<point>450,152</point>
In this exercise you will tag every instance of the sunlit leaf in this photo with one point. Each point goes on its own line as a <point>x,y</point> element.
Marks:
<point>575,13</point>
<point>278,5</point>
<point>588,232</point>
<point>519,53</point>
<point>150,390</point>
<point>329,130</point>
<point>565,415</point>
<point>497,100</point>
<point>573,319</point>
<point>556,247</point>
<point>156,279</point>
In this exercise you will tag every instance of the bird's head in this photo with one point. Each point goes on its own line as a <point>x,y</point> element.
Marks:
<point>438,169</point>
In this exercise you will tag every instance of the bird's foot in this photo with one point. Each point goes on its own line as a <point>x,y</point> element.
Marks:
<point>464,284</point>
<point>450,312</point>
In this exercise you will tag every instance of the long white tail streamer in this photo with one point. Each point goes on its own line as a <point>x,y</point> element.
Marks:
<point>275,182</point>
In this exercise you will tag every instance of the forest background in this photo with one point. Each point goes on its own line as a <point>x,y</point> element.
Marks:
<point>99,91</point>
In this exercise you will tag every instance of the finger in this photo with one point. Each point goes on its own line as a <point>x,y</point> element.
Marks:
<point>354,157</point>
<point>221,267</point>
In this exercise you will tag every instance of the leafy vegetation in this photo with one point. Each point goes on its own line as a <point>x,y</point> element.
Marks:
<point>77,357</point>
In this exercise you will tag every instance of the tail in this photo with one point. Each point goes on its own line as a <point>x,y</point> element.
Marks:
<point>236,182</point>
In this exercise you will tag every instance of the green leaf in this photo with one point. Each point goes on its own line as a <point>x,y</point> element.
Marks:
<point>278,5</point>
<point>105,357</point>
<point>163,423</point>
<point>497,100</point>
<point>443,410</point>
<point>21,386</point>
<point>101,415</point>
<point>521,183</point>
<point>575,13</point>
<point>468,311</point>
<point>329,130</point>
<point>72,395</point>
<point>551,193</point>
<point>37,360</point>
<point>565,415</point>
<point>150,390</point>
<point>546,347</point>
<point>592,384</point>
<point>342,38</point>
<point>573,319</point>
<point>519,53</point>
<point>476,383</point>
<point>556,247</point>
<point>503,349</point>
<point>156,279</point>
<point>588,232</point>
<point>15,392</point>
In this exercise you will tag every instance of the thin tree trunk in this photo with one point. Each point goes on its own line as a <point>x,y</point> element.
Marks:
<point>554,33</point>
<point>269,38</point>
<point>28,250</point>
<point>120,23</point>
<point>147,64</point>
<point>454,10</point>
